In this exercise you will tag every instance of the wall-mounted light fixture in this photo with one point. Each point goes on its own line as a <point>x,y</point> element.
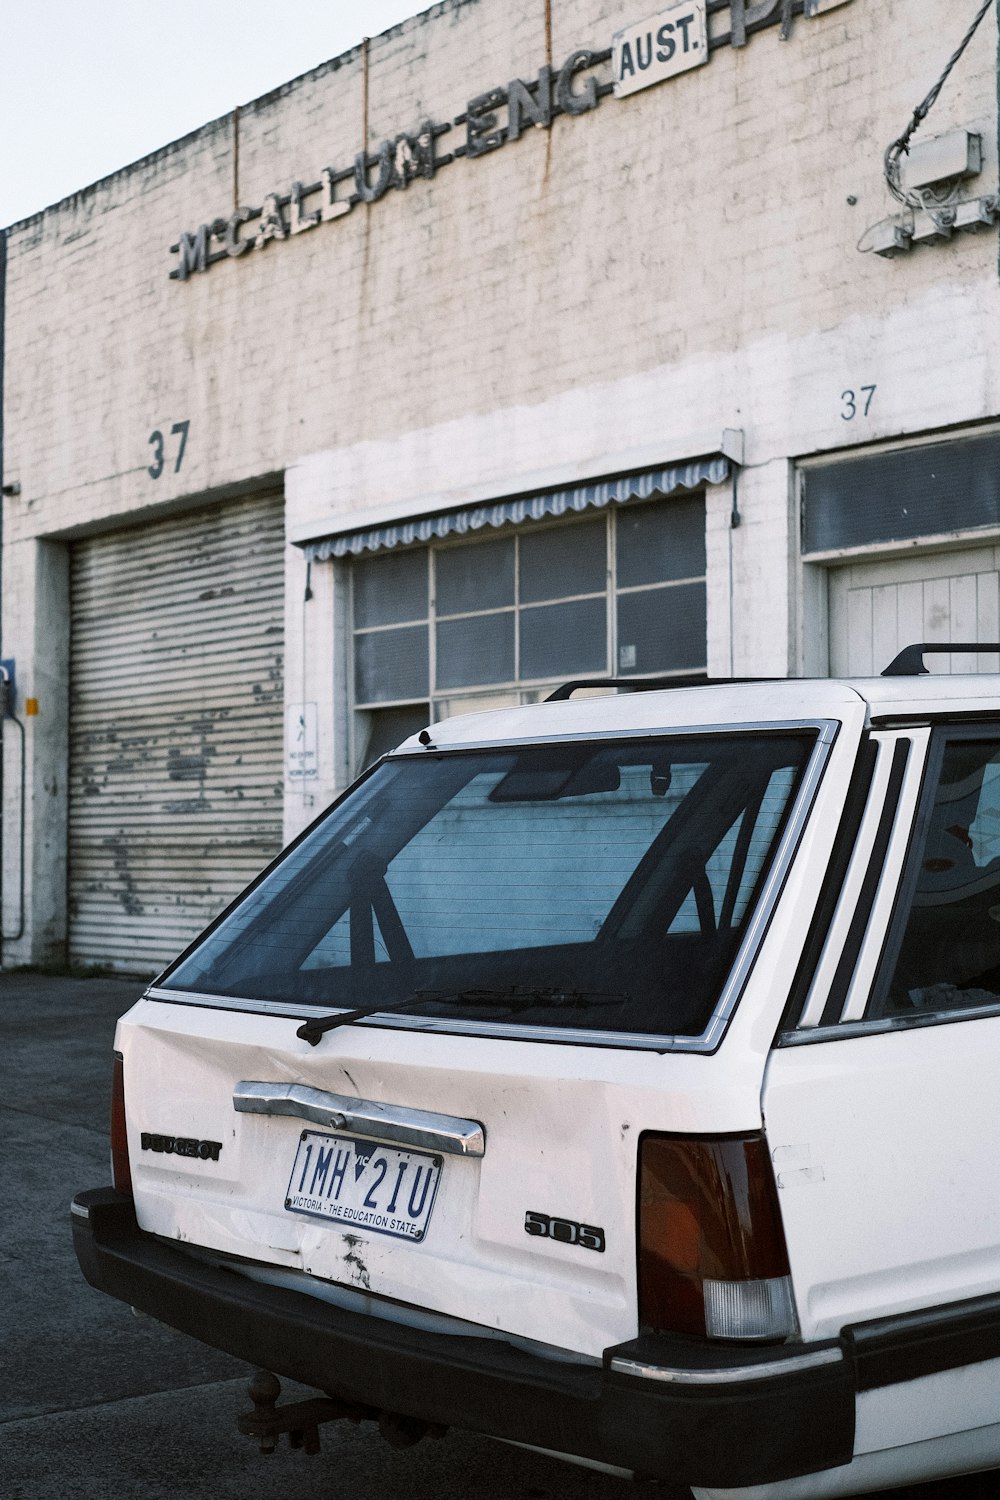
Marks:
<point>931,176</point>
<point>942,162</point>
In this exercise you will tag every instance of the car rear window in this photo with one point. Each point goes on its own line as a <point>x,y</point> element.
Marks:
<point>597,886</point>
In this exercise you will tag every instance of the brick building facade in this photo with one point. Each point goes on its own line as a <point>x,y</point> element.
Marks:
<point>525,341</point>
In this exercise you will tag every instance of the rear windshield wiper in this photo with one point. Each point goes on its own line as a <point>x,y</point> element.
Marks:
<point>513,998</point>
<point>313,1031</point>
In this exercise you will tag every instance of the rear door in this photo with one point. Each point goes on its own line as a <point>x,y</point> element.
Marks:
<point>562,931</point>
<point>558,1126</point>
<point>880,1108</point>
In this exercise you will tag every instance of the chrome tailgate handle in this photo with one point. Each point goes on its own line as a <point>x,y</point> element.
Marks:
<point>363,1117</point>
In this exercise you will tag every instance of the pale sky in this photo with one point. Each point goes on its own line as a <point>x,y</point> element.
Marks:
<point>91,85</point>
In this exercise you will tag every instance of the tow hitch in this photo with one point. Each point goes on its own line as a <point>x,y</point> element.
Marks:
<point>302,1419</point>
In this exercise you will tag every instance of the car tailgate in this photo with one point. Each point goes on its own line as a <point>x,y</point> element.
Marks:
<point>527,1227</point>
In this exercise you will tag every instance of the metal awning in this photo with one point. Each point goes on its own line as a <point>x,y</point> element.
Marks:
<point>596,496</point>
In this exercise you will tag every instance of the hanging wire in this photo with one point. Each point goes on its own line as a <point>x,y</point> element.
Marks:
<point>900,147</point>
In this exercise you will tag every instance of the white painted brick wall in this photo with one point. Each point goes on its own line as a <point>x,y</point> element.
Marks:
<point>688,223</point>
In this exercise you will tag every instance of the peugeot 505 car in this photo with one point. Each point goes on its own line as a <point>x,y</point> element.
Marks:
<point>615,1076</point>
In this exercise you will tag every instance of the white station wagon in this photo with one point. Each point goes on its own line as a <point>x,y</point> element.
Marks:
<point>618,1076</point>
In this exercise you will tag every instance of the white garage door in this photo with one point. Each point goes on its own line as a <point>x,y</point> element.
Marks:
<point>877,608</point>
<point>175,727</point>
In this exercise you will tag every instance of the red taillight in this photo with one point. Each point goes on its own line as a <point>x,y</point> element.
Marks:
<point>121,1174</point>
<point>712,1256</point>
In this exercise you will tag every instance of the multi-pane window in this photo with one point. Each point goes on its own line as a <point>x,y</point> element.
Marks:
<point>462,625</point>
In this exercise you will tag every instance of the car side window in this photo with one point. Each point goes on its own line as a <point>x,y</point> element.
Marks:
<point>948,956</point>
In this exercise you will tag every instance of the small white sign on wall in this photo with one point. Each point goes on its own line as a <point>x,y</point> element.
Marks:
<point>665,44</point>
<point>301,742</point>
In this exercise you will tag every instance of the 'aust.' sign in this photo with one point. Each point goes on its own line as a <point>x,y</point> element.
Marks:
<point>664,45</point>
<point>674,40</point>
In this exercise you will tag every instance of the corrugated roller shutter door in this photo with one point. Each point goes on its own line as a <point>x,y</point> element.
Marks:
<point>175,727</point>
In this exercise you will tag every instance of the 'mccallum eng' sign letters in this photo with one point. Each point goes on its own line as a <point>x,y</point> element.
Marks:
<point>672,41</point>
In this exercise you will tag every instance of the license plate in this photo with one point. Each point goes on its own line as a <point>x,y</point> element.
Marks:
<point>354,1182</point>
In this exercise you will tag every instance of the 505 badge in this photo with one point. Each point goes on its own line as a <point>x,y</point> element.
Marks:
<point>566,1231</point>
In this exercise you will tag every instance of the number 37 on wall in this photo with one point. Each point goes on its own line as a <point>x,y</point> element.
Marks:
<point>158,443</point>
<point>857,403</point>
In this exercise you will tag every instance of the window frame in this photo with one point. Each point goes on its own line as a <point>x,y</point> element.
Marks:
<point>968,537</point>
<point>941,738</point>
<point>768,895</point>
<point>517,689</point>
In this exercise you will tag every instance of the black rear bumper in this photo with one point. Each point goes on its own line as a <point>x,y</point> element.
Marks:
<point>666,1407</point>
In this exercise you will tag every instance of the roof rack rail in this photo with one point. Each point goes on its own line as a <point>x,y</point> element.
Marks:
<point>646,684</point>
<point>910,661</point>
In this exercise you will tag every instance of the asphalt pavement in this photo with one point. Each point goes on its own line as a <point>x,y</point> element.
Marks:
<point>97,1404</point>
